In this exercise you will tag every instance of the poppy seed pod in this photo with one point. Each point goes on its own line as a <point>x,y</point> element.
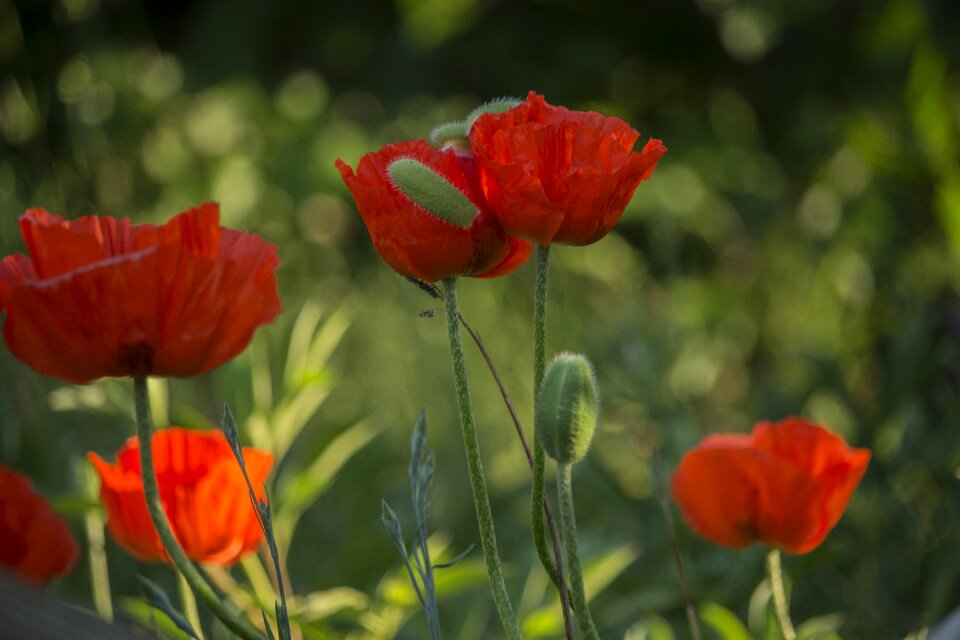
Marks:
<point>567,408</point>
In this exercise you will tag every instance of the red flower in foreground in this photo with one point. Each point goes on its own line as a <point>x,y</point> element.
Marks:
<point>98,296</point>
<point>555,175</point>
<point>202,490</point>
<point>786,484</point>
<point>35,542</point>
<point>417,243</point>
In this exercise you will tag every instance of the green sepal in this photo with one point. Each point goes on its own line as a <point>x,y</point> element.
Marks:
<point>497,105</point>
<point>433,192</point>
<point>451,134</point>
<point>567,408</point>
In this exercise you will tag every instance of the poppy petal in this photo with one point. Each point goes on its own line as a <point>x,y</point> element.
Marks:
<point>202,491</point>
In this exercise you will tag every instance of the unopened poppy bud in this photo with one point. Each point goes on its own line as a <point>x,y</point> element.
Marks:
<point>567,408</point>
<point>451,134</point>
<point>433,192</point>
<point>497,105</point>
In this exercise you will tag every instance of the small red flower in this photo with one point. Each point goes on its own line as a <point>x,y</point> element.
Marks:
<point>416,243</point>
<point>98,296</point>
<point>786,484</point>
<point>202,490</point>
<point>555,175</point>
<point>35,542</point>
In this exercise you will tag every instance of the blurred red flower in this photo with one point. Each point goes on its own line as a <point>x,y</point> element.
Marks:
<point>555,175</point>
<point>416,243</point>
<point>35,542</point>
<point>786,484</point>
<point>202,491</point>
<point>98,296</point>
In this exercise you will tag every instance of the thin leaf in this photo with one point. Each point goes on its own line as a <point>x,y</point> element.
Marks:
<point>159,600</point>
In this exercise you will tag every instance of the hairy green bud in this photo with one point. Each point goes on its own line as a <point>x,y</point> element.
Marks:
<point>433,192</point>
<point>450,134</point>
<point>497,105</point>
<point>567,408</point>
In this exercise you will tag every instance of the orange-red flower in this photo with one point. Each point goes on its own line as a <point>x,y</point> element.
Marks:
<point>98,296</point>
<point>35,542</point>
<point>202,490</point>
<point>555,175</point>
<point>415,242</point>
<point>786,484</point>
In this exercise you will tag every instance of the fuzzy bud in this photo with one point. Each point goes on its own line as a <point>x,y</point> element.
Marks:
<point>567,408</point>
<point>451,134</point>
<point>497,105</point>
<point>432,192</point>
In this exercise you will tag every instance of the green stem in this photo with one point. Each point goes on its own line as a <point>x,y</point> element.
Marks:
<point>190,573</point>
<point>539,459</point>
<point>540,317</point>
<point>481,501</point>
<point>189,604</point>
<point>779,595</point>
<point>568,522</point>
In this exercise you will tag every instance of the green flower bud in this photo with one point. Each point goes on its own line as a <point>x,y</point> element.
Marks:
<point>450,134</point>
<point>497,105</point>
<point>567,408</point>
<point>433,192</point>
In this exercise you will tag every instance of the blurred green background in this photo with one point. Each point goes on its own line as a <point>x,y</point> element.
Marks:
<point>795,252</point>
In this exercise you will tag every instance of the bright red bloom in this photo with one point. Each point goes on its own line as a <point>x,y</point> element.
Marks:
<point>786,484</point>
<point>413,241</point>
<point>203,492</point>
<point>555,175</point>
<point>98,296</point>
<point>35,542</point>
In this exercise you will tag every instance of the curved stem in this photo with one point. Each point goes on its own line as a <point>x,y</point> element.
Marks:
<point>481,501</point>
<point>779,595</point>
<point>190,573</point>
<point>569,523</point>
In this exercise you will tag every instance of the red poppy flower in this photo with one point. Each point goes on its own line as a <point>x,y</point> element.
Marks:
<point>98,296</point>
<point>786,484</point>
<point>555,175</point>
<point>417,243</point>
<point>35,542</point>
<point>203,492</point>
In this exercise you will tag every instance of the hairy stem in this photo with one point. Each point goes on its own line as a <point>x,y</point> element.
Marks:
<point>539,458</point>
<point>190,573</point>
<point>779,595</point>
<point>569,523</point>
<point>557,575</point>
<point>481,501</point>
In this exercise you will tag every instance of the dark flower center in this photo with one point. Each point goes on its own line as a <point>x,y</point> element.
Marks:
<point>136,359</point>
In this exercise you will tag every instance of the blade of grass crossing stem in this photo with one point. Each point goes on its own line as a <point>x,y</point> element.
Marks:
<point>262,508</point>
